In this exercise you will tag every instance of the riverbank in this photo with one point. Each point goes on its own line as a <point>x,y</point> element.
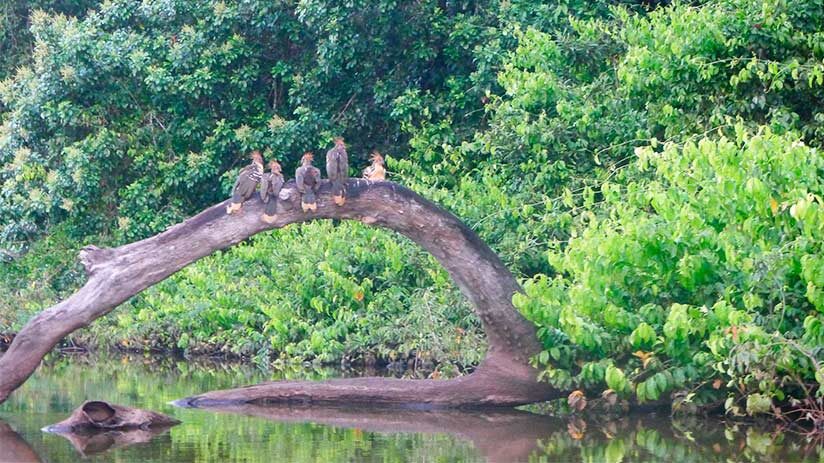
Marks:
<point>406,365</point>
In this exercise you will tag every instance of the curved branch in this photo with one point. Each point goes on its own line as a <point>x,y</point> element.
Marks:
<point>117,274</point>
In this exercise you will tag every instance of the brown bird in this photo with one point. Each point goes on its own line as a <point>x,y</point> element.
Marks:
<point>307,178</point>
<point>270,186</point>
<point>376,171</point>
<point>337,169</point>
<point>246,183</point>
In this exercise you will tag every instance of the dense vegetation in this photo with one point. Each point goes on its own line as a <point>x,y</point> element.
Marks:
<point>652,172</point>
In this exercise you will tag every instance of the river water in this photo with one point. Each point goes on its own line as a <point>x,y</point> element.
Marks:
<point>289,434</point>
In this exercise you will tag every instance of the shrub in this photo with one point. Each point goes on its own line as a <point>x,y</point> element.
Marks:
<point>697,279</point>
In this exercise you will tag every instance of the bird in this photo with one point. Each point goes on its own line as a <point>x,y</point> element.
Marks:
<point>307,179</point>
<point>337,169</point>
<point>376,171</point>
<point>270,186</point>
<point>246,183</point>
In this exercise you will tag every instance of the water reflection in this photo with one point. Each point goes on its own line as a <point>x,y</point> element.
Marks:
<point>14,448</point>
<point>299,434</point>
<point>497,435</point>
<point>91,442</point>
<point>515,436</point>
<point>660,438</point>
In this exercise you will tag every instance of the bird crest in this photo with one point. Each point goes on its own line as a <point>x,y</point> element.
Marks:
<point>274,166</point>
<point>376,157</point>
<point>307,158</point>
<point>339,141</point>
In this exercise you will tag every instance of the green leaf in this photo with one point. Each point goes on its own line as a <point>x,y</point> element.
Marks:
<point>661,382</point>
<point>758,403</point>
<point>543,357</point>
<point>643,336</point>
<point>651,389</point>
<point>615,379</point>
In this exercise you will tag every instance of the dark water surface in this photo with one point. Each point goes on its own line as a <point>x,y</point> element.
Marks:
<point>273,434</point>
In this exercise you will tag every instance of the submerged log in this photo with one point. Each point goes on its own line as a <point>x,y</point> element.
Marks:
<point>97,415</point>
<point>98,426</point>
<point>504,378</point>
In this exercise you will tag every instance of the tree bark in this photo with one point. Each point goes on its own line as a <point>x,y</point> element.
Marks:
<point>116,274</point>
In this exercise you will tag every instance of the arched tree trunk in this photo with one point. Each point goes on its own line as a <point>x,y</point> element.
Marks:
<point>114,275</point>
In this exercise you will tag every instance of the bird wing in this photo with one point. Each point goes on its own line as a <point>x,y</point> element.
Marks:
<point>240,176</point>
<point>277,184</point>
<point>264,187</point>
<point>315,178</point>
<point>344,164</point>
<point>331,161</point>
<point>299,174</point>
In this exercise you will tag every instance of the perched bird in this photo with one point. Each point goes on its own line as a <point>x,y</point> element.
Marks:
<point>246,183</point>
<point>376,171</point>
<point>270,186</point>
<point>307,178</point>
<point>337,169</point>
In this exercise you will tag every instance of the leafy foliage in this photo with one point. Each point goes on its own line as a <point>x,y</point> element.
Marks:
<point>15,38</point>
<point>129,117</point>
<point>705,264</point>
<point>300,297</point>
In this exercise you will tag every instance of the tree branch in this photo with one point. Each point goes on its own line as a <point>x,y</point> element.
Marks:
<point>115,275</point>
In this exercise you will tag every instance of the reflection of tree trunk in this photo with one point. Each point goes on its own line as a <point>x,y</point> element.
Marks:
<point>499,435</point>
<point>91,442</point>
<point>504,377</point>
<point>13,448</point>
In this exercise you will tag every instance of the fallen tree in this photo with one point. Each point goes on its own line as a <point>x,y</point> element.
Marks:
<point>504,378</point>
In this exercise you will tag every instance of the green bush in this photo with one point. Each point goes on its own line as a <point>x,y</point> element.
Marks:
<point>45,275</point>
<point>318,291</point>
<point>706,264</point>
<point>16,40</point>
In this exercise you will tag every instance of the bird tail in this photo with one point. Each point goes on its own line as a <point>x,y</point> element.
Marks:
<point>309,197</point>
<point>338,192</point>
<point>308,201</point>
